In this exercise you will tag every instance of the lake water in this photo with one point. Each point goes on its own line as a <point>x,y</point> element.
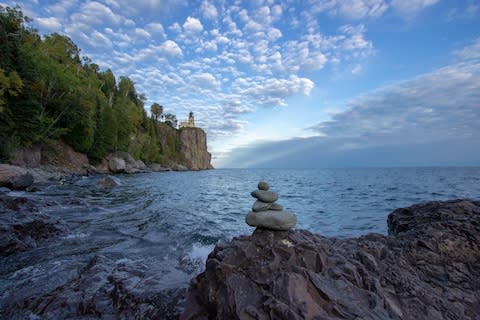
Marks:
<point>169,222</point>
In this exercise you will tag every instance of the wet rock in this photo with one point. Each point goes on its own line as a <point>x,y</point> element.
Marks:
<point>23,226</point>
<point>109,182</point>
<point>428,267</point>
<point>105,289</point>
<point>14,177</point>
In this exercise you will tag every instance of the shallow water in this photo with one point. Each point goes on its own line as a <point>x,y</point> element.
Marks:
<point>169,222</point>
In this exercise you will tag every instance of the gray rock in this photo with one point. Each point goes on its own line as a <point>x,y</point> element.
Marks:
<point>426,268</point>
<point>264,206</point>
<point>155,167</point>
<point>262,185</point>
<point>273,220</point>
<point>179,167</point>
<point>117,165</point>
<point>276,207</point>
<point>109,182</point>
<point>265,196</point>
<point>14,177</point>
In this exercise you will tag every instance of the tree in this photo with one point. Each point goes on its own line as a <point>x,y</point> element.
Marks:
<point>171,120</point>
<point>156,110</point>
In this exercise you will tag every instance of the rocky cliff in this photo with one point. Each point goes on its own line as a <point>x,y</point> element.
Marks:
<point>194,149</point>
<point>428,267</point>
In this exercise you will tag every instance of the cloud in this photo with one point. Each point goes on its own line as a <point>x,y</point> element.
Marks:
<point>208,10</point>
<point>171,48</point>
<point>94,13</point>
<point>156,29</point>
<point>470,52</point>
<point>273,92</point>
<point>411,6</point>
<point>192,25</point>
<point>431,119</point>
<point>50,24</point>
<point>353,9</point>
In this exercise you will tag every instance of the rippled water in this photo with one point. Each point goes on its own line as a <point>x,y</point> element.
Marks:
<point>169,222</point>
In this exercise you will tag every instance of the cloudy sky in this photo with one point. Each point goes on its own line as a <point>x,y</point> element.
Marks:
<point>284,83</point>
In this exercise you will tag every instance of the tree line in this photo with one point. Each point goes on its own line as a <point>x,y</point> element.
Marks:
<point>49,92</point>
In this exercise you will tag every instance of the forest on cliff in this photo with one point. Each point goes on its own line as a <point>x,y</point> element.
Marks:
<point>49,92</point>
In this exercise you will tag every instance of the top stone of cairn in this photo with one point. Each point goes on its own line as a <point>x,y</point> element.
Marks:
<point>262,185</point>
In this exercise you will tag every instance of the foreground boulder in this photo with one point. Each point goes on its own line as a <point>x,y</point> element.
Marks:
<point>14,177</point>
<point>428,267</point>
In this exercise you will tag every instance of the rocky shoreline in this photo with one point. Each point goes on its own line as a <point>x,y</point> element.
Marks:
<point>428,267</point>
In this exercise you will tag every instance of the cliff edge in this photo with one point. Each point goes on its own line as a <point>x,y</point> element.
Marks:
<point>194,149</point>
<point>428,267</point>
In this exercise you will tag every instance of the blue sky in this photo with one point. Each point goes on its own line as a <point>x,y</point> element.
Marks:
<point>283,83</point>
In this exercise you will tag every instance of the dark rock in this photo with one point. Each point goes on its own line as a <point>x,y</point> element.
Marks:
<point>23,226</point>
<point>427,268</point>
<point>155,167</point>
<point>179,167</point>
<point>14,177</point>
<point>107,290</point>
<point>109,182</point>
<point>265,196</point>
<point>262,185</point>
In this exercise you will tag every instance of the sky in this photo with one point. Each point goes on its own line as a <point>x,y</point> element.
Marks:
<point>284,83</point>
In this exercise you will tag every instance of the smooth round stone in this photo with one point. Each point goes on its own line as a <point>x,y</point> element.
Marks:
<point>265,196</point>
<point>264,206</point>
<point>273,220</point>
<point>262,185</point>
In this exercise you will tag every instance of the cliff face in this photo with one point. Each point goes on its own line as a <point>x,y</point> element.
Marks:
<point>194,149</point>
<point>427,268</point>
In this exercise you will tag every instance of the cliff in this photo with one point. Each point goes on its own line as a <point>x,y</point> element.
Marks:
<point>193,143</point>
<point>428,267</point>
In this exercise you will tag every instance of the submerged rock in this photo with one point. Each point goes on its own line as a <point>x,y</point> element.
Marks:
<point>23,226</point>
<point>109,182</point>
<point>428,267</point>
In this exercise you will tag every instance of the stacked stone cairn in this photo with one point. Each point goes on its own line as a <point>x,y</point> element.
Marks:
<point>266,213</point>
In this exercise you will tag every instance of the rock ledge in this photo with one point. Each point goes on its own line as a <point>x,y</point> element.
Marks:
<point>428,267</point>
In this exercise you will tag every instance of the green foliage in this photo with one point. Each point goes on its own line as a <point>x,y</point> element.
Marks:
<point>48,92</point>
<point>171,120</point>
<point>156,110</point>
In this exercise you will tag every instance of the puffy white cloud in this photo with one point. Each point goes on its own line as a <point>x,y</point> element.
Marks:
<point>50,24</point>
<point>99,40</point>
<point>204,80</point>
<point>192,25</point>
<point>156,29</point>
<point>95,13</point>
<point>208,10</point>
<point>171,48</point>
<point>142,33</point>
<point>273,91</point>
